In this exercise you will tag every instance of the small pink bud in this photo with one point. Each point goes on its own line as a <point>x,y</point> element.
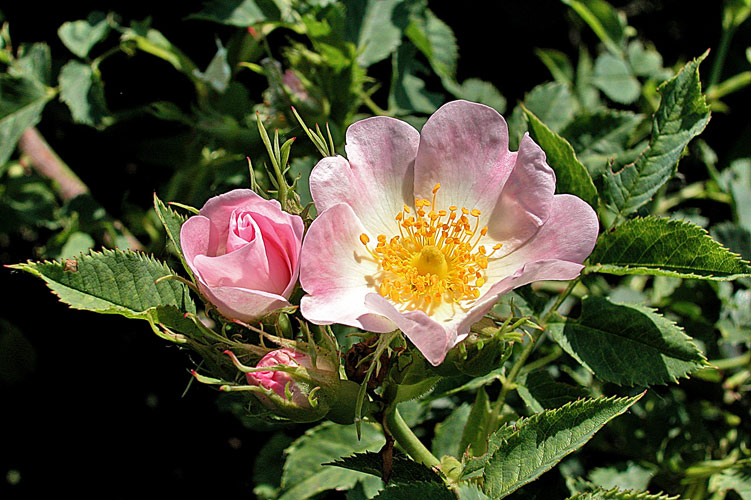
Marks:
<point>282,383</point>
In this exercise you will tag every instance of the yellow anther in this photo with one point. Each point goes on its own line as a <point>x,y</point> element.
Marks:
<point>435,258</point>
<point>497,246</point>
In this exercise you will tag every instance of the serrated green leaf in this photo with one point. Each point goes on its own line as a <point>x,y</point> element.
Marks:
<point>444,437</point>
<point>616,494</point>
<point>240,13</point>
<point>603,19</point>
<point>737,479</point>
<point>21,103</point>
<point>82,90</point>
<point>614,77</point>
<point>552,103</point>
<point>599,137</point>
<point>627,344</point>
<point>404,469</point>
<point>664,247</point>
<point>541,392</point>
<point>412,491</point>
<point>172,222</point>
<point>375,27</point>
<point>682,115</point>
<point>113,282</point>
<point>475,435</point>
<point>80,36</point>
<point>571,176</point>
<point>541,441</point>
<point>304,475</point>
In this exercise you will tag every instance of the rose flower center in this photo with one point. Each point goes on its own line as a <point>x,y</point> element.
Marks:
<point>435,258</point>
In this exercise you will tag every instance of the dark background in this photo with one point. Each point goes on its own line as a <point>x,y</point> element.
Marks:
<point>101,411</point>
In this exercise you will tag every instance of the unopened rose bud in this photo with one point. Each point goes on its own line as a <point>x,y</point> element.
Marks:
<point>297,387</point>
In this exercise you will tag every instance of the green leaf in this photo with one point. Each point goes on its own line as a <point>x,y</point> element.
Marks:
<point>407,89</point>
<point>646,61</point>
<point>375,27</point>
<point>113,282</point>
<point>267,466</point>
<point>616,494</point>
<point>627,344</point>
<point>476,90</point>
<point>218,73</point>
<point>437,42</point>
<point>304,475</point>
<point>21,103</point>
<point>444,437</point>
<point>629,476</point>
<point>614,77</point>
<point>415,490</point>
<point>682,114</point>
<point>737,177</point>
<point>241,13</point>
<point>172,222</point>
<point>34,62</point>
<point>664,247</point>
<point>604,20</point>
<point>552,103</point>
<point>558,64</point>
<point>541,392</point>
<point>82,90</point>
<point>475,434</point>
<point>541,441</point>
<point>599,137</point>
<point>571,176</point>
<point>405,470</point>
<point>80,36</point>
<point>467,491</point>
<point>736,478</point>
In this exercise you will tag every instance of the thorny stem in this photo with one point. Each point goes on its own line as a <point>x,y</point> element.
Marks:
<point>68,185</point>
<point>395,426</point>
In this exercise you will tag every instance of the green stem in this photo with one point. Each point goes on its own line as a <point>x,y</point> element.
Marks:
<point>719,60</point>
<point>375,108</point>
<point>509,382</point>
<point>398,428</point>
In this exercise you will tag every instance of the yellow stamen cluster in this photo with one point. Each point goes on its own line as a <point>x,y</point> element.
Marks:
<point>435,258</point>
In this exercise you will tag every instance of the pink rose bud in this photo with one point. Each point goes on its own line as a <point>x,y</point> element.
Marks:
<point>299,389</point>
<point>244,252</point>
<point>282,383</point>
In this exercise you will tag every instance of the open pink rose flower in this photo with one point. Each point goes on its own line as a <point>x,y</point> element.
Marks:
<point>244,252</point>
<point>423,232</point>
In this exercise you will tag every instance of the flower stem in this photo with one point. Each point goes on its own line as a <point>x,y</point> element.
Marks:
<point>509,382</point>
<point>396,426</point>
